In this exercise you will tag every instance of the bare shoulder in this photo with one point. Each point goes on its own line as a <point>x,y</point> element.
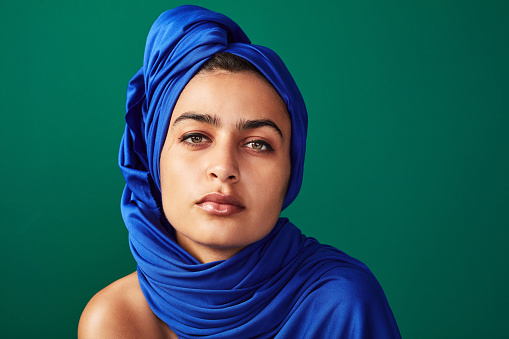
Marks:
<point>121,311</point>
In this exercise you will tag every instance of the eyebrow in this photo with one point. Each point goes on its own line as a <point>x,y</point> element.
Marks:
<point>252,124</point>
<point>215,121</point>
<point>205,118</point>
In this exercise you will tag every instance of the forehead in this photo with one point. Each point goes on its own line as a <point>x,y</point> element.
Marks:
<point>230,96</point>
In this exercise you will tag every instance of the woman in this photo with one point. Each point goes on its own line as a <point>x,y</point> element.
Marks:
<point>213,150</point>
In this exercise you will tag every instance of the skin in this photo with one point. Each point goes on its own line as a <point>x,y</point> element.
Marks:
<point>120,310</point>
<point>229,135</point>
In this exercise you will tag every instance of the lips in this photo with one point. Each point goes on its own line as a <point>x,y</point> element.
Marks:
<point>220,204</point>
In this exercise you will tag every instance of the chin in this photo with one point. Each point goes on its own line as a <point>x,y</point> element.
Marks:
<point>227,239</point>
<point>221,234</point>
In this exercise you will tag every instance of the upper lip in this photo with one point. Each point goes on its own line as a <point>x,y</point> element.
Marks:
<point>221,199</point>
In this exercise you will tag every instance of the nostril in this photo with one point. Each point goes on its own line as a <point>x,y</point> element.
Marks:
<point>223,174</point>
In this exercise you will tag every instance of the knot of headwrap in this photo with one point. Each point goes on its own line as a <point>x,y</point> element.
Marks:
<point>264,289</point>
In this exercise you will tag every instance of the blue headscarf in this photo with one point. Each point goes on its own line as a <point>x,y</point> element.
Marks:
<point>274,287</point>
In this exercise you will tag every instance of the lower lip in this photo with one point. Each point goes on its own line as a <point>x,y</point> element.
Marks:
<point>223,210</point>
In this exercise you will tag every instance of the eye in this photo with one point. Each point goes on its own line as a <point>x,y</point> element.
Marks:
<point>259,145</point>
<point>193,138</point>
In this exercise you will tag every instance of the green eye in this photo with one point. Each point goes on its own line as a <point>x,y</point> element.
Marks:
<point>259,145</point>
<point>256,145</point>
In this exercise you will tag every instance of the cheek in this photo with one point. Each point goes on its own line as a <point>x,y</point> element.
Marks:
<point>176,180</point>
<point>271,181</point>
<point>283,171</point>
<point>284,181</point>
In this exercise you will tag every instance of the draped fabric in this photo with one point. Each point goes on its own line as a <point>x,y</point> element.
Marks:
<point>285,285</point>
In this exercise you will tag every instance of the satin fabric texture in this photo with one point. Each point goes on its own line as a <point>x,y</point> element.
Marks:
<point>285,285</point>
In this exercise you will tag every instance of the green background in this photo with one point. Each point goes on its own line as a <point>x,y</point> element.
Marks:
<point>407,164</point>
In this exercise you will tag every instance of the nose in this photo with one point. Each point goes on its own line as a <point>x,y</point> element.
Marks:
<point>223,164</point>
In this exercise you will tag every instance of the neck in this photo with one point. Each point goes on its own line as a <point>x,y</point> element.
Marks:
<point>203,253</point>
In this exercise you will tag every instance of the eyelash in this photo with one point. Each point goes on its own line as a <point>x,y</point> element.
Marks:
<point>187,136</point>
<point>263,144</point>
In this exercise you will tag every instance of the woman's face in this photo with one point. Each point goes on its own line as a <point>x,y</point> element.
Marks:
<point>225,164</point>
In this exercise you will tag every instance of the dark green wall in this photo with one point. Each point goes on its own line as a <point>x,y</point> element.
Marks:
<point>407,165</point>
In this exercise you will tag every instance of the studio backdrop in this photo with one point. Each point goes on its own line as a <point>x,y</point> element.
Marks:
<point>406,169</point>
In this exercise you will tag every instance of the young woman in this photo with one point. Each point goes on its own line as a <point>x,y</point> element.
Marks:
<point>213,150</point>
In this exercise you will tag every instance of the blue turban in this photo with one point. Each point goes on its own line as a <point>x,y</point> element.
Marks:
<point>179,42</point>
<point>268,289</point>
